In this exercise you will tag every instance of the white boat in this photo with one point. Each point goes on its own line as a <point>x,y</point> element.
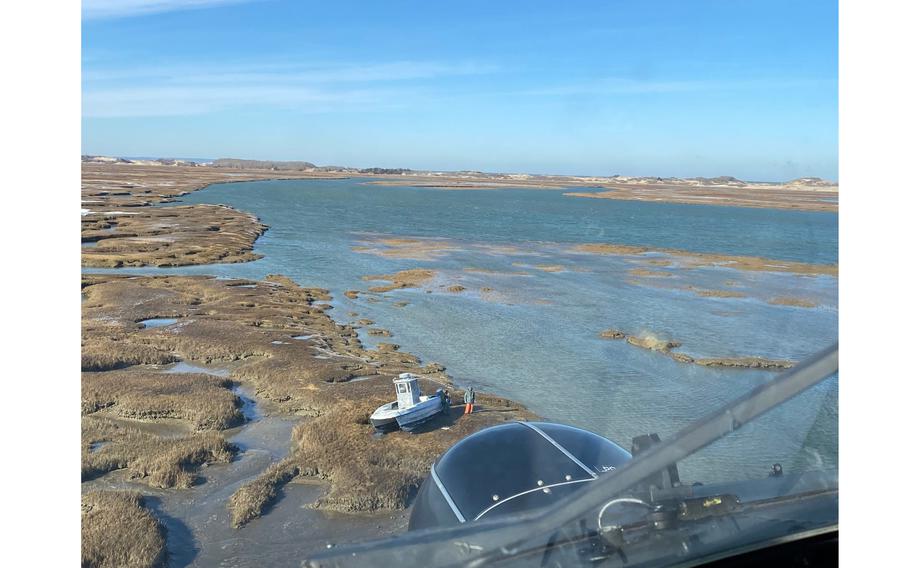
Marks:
<point>410,410</point>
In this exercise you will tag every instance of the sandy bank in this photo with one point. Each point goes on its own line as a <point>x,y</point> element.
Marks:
<point>794,302</point>
<point>801,194</point>
<point>760,195</point>
<point>411,278</point>
<point>410,248</point>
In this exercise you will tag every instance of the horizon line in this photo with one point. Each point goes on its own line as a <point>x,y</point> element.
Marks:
<point>204,161</point>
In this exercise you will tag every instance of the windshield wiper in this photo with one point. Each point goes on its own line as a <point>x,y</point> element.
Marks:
<point>486,542</point>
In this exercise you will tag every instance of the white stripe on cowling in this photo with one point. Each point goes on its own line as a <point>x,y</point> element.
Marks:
<point>445,494</point>
<point>491,507</point>
<point>561,449</point>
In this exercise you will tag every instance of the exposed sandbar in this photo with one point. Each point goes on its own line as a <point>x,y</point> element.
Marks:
<point>707,293</point>
<point>411,278</point>
<point>550,267</point>
<point>702,260</point>
<point>790,301</point>
<point>667,347</point>
<point>410,248</point>
<point>792,195</point>
<point>649,273</point>
<point>808,194</point>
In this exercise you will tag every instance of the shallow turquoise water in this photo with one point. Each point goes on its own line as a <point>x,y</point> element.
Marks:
<point>534,337</point>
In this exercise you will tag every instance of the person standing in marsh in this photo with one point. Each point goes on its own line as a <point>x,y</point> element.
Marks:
<point>469,400</point>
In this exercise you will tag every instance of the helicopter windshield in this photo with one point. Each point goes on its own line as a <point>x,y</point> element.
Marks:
<point>458,282</point>
<point>642,514</point>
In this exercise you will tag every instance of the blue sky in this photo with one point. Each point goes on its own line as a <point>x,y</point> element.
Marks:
<point>668,88</point>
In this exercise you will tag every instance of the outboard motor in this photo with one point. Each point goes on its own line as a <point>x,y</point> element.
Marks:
<point>510,468</point>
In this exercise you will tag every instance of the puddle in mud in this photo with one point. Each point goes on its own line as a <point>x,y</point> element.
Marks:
<point>302,337</point>
<point>184,367</point>
<point>89,244</point>
<point>158,322</point>
<point>363,378</point>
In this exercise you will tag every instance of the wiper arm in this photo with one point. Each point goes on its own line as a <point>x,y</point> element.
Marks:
<point>703,432</point>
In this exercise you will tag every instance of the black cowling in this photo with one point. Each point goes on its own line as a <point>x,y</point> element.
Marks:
<point>509,468</point>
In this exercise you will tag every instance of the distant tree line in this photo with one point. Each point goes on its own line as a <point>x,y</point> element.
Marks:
<point>385,171</point>
<point>261,164</point>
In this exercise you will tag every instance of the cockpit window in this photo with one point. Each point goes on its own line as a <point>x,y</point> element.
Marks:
<point>432,275</point>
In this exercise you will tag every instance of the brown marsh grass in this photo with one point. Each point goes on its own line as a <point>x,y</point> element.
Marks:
<point>119,531</point>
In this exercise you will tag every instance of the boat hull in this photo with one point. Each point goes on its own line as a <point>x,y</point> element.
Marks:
<point>389,417</point>
<point>419,414</point>
<point>384,424</point>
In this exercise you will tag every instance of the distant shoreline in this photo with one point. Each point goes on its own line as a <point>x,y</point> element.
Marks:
<point>804,194</point>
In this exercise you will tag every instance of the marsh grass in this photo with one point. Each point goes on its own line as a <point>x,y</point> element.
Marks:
<point>149,458</point>
<point>118,530</point>
<point>107,354</point>
<point>368,473</point>
<point>251,329</point>
<point>204,401</point>
<point>250,501</point>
